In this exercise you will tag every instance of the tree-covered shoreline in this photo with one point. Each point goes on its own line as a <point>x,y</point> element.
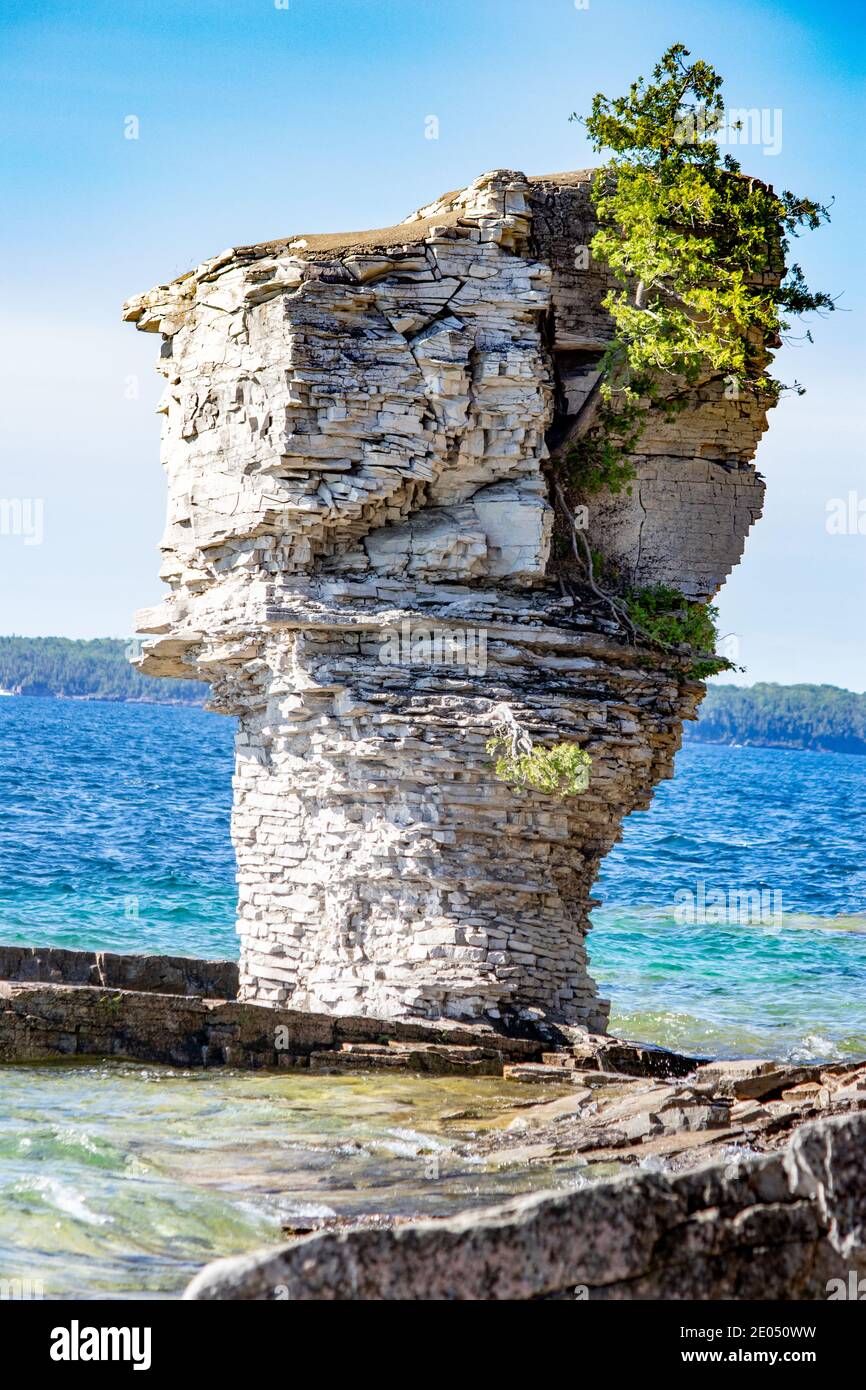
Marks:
<point>79,669</point>
<point>822,717</point>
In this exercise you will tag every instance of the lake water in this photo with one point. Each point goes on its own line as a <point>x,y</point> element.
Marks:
<point>114,834</point>
<point>119,1179</point>
<point>122,1180</point>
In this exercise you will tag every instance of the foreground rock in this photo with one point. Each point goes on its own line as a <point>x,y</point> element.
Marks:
<point>721,1195</point>
<point>774,1227</point>
<point>359,549</point>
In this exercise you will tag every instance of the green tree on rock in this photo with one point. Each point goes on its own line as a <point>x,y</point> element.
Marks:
<point>698,251</point>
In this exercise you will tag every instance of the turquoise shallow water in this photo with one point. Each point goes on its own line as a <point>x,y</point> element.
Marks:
<point>120,1180</point>
<point>114,833</point>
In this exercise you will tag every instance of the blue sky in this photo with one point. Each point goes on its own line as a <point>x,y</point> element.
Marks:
<point>256,120</point>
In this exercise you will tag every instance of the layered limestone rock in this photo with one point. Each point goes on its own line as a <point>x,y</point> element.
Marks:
<point>359,553</point>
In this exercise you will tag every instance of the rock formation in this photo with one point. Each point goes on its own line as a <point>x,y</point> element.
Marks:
<point>359,548</point>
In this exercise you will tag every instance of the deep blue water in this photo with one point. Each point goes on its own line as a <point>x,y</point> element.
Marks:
<point>114,834</point>
<point>784,823</point>
<point>114,827</point>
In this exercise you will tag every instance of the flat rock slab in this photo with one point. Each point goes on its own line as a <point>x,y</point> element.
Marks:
<point>600,1052</point>
<point>49,1022</point>
<point>189,975</point>
<point>750,1079</point>
<point>53,1021</point>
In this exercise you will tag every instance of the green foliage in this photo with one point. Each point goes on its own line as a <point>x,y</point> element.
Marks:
<point>600,460</point>
<point>562,770</point>
<point>110,1004</point>
<point>695,247</point>
<point>664,615</point>
<point>598,564</point>
<point>783,716</point>
<point>96,670</point>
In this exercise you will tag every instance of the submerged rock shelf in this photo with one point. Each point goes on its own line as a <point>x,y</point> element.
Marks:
<point>779,1226</point>
<point>50,1010</point>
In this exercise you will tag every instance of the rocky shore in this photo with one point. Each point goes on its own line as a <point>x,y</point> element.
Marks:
<point>742,1180</point>
<point>780,1225</point>
<point>699,1179</point>
<point>56,1004</point>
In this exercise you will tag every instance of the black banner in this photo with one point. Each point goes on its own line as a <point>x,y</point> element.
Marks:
<point>144,1338</point>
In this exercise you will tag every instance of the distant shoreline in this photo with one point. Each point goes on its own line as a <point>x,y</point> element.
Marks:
<point>103,699</point>
<point>823,718</point>
<point>692,733</point>
<point>691,736</point>
<point>88,669</point>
